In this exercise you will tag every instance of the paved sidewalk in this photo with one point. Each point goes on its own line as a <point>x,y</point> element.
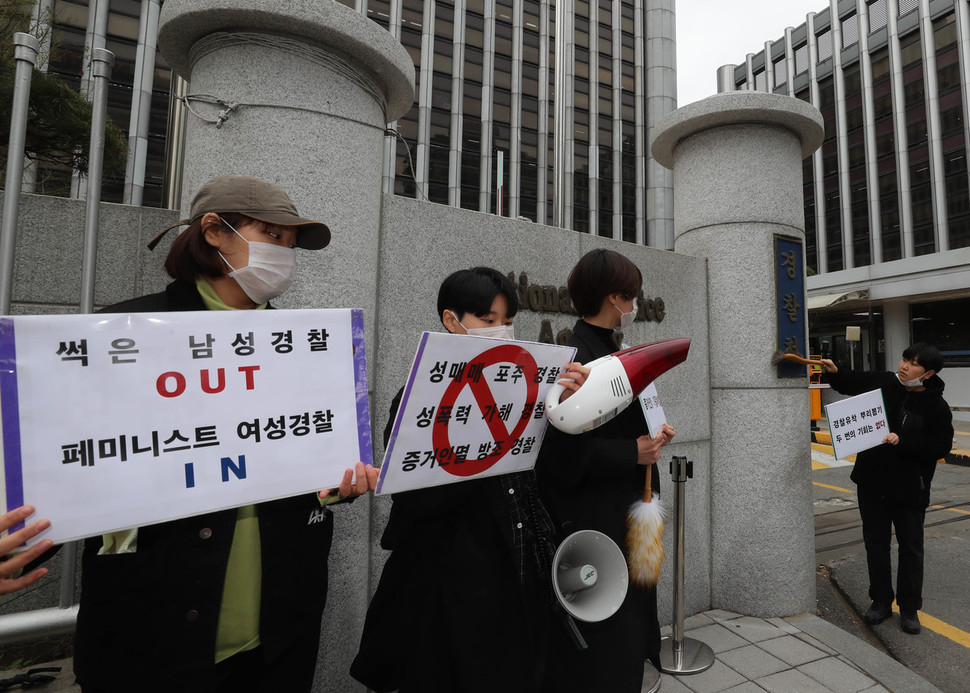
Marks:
<point>801,654</point>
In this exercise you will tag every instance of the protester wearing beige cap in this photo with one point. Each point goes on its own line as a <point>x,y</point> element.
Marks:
<point>230,600</point>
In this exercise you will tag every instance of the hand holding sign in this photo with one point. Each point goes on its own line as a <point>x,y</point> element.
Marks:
<point>356,482</point>
<point>10,542</point>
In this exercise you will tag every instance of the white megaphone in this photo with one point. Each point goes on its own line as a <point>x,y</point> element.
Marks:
<point>614,381</point>
<point>589,576</point>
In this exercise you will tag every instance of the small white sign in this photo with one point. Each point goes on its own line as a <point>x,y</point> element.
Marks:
<point>113,421</point>
<point>472,407</point>
<point>857,423</point>
<point>653,412</point>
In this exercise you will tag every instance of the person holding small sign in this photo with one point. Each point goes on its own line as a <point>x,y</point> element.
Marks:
<point>589,481</point>
<point>230,600</point>
<point>464,599</point>
<point>894,478</point>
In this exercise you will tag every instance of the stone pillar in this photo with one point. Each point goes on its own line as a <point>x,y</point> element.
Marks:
<point>299,92</point>
<point>736,159</point>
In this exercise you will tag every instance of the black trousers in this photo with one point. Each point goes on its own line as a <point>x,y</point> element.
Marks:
<point>880,516</point>
<point>249,672</point>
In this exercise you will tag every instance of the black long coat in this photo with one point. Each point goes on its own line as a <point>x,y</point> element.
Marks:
<point>452,614</point>
<point>588,482</point>
<point>148,620</point>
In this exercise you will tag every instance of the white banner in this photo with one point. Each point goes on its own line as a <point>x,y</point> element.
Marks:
<point>857,423</point>
<point>472,407</point>
<point>113,421</point>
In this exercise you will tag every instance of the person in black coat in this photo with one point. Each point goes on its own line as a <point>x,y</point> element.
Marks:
<point>230,600</point>
<point>589,481</point>
<point>894,478</point>
<point>463,603</point>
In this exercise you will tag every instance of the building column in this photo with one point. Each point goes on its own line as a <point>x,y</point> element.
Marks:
<point>842,139</point>
<point>661,99</point>
<point>737,163</point>
<point>423,153</point>
<point>897,330</point>
<point>869,129</point>
<point>515,126</point>
<point>141,102</point>
<point>488,102</point>
<point>934,128</point>
<point>907,242</point>
<point>818,163</point>
<point>457,105</point>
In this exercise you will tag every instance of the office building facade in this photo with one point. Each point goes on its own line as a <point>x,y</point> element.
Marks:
<point>482,132</point>
<point>887,198</point>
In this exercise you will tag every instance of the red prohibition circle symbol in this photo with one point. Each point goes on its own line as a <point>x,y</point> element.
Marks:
<point>507,353</point>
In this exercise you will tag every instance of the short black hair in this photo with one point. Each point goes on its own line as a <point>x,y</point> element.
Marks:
<point>926,355</point>
<point>598,274</point>
<point>473,291</point>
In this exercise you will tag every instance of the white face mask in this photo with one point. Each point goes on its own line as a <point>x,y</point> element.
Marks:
<point>626,319</point>
<point>270,270</point>
<point>495,332</point>
<point>917,382</point>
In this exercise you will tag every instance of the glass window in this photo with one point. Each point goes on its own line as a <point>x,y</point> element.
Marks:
<point>781,71</point>
<point>911,48</point>
<point>944,32</point>
<point>801,59</point>
<point>937,323</point>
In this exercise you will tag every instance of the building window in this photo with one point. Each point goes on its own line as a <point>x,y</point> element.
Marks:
<point>850,30</point>
<point>911,48</point>
<point>877,15</point>
<point>944,32</point>
<point>801,59</point>
<point>824,45</point>
<point>906,6</point>
<point>937,323</point>
<point>761,81</point>
<point>781,72</point>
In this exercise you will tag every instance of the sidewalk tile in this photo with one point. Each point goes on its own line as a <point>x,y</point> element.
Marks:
<point>791,681</point>
<point>672,684</point>
<point>783,625</point>
<point>752,662</point>
<point>809,640</point>
<point>746,687</point>
<point>876,689</point>
<point>718,678</point>
<point>790,649</point>
<point>690,623</point>
<point>722,615</point>
<point>753,629</point>
<point>719,638</point>
<point>837,676</point>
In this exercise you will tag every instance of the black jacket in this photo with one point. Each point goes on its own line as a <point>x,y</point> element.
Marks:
<point>148,620</point>
<point>924,424</point>
<point>589,481</point>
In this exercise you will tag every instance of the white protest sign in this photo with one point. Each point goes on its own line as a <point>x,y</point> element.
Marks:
<point>857,423</point>
<point>113,421</point>
<point>472,407</point>
<point>653,412</point>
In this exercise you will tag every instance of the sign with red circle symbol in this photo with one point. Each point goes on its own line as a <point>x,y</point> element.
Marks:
<point>507,353</point>
<point>472,407</point>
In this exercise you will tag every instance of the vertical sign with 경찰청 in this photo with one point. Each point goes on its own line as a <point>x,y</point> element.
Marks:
<point>112,421</point>
<point>790,297</point>
<point>472,407</point>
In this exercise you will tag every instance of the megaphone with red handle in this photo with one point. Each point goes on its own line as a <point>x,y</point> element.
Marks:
<point>613,382</point>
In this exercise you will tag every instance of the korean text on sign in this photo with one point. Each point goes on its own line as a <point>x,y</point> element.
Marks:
<point>115,421</point>
<point>857,423</point>
<point>472,407</point>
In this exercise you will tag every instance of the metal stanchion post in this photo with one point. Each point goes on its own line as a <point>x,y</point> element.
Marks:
<point>680,655</point>
<point>25,54</point>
